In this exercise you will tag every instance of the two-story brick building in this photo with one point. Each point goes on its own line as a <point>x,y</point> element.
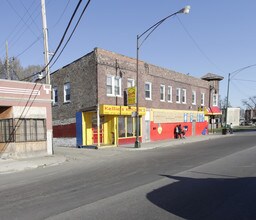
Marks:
<point>90,101</point>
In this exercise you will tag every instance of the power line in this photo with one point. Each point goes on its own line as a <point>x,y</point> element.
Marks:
<point>16,33</point>
<point>247,80</point>
<point>197,45</point>
<point>21,17</point>
<point>63,37</point>
<point>62,14</point>
<point>28,47</point>
<point>81,15</point>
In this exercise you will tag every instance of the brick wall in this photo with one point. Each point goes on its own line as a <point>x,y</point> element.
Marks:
<point>115,64</point>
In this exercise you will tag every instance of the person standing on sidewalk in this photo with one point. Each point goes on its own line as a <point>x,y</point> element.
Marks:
<point>231,128</point>
<point>176,132</point>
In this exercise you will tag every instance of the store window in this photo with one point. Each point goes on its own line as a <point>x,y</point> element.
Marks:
<point>127,126</point>
<point>121,126</point>
<point>130,127</point>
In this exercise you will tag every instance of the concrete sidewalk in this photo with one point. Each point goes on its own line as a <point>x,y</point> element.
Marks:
<point>63,154</point>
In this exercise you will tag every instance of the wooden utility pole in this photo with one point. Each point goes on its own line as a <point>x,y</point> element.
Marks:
<point>46,49</point>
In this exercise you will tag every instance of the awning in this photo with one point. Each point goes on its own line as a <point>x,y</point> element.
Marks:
<point>213,110</point>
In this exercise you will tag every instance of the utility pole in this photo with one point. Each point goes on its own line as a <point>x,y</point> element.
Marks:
<point>7,61</point>
<point>46,49</point>
<point>47,71</point>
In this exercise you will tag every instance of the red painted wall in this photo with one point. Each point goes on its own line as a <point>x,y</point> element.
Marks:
<point>64,130</point>
<point>123,141</point>
<point>169,128</point>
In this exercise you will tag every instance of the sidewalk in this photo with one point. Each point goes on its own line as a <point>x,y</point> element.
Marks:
<point>64,154</point>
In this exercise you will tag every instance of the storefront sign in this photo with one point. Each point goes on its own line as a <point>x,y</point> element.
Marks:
<point>173,116</point>
<point>120,110</point>
<point>109,110</point>
<point>131,92</point>
<point>127,110</point>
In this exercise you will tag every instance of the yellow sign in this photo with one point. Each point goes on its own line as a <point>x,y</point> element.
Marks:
<point>120,110</point>
<point>131,93</point>
<point>109,110</point>
<point>127,110</point>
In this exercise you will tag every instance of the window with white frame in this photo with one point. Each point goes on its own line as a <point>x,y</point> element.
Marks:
<point>117,86</point>
<point>184,96</point>
<point>193,97</point>
<point>148,91</point>
<point>177,95</point>
<point>202,99</point>
<point>67,92</point>
<point>55,95</point>
<point>130,83</point>
<point>169,94</point>
<point>162,93</point>
<point>113,86</point>
<point>215,100</point>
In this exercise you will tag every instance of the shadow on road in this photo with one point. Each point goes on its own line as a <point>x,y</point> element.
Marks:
<point>208,198</point>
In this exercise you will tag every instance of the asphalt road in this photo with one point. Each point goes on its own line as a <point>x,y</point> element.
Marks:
<point>206,180</point>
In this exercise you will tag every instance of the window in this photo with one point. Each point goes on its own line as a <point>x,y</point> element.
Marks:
<point>6,130</point>
<point>162,93</point>
<point>148,90</point>
<point>126,126</point>
<point>202,99</point>
<point>117,86</point>
<point>25,130</point>
<point>215,100</point>
<point>193,97</point>
<point>30,130</point>
<point>130,131</point>
<point>169,94</point>
<point>113,86</point>
<point>67,92</point>
<point>55,95</point>
<point>121,126</point>
<point>130,83</point>
<point>184,96</point>
<point>178,95</point>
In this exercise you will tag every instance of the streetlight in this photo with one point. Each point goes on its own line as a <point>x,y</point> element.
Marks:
<point>150,30</point>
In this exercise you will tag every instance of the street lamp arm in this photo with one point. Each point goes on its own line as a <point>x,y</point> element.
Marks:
<point>156,25</point>
<point>153,28</point>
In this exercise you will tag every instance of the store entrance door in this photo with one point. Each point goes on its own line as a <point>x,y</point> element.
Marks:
<point>95,129</point>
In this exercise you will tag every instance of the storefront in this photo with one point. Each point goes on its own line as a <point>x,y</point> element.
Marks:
<point>213,115</point>
<point>108,125</point>
<point>164,122</point>
<point>115,125</point>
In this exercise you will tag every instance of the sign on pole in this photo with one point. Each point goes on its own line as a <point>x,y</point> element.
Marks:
<point>131,95</point>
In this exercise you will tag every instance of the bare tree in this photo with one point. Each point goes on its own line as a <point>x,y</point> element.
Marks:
<point>249,103</point>
<point>223,103</point>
